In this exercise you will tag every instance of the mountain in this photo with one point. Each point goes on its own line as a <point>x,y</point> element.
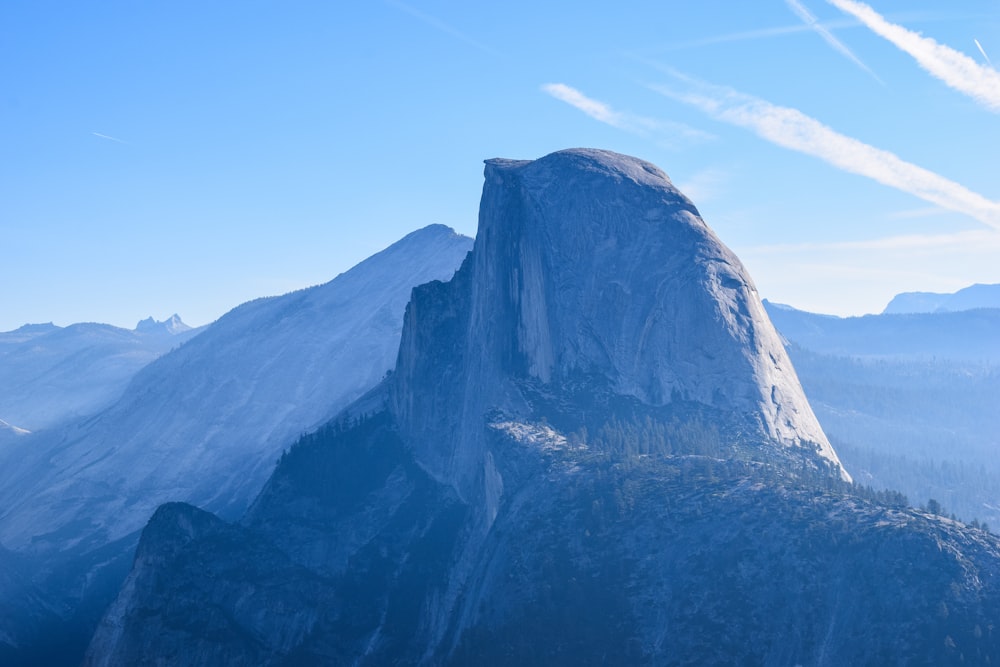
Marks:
<point>206,422</point>
<point>575,461</point>
<point>909,400</point>
<point>926,428</point>
<point>624,293</point>
<point>50,374</point>
<point>957,336</point>
<point>172,325</point>
<point>679,561</point>
<point>17,625</point>
<point>968,298</point>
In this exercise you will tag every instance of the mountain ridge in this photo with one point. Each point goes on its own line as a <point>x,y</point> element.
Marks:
<point>204,423</point>
<point>968,298</point>
<point>908,400</point>
<point>967,336</point>
<point>589,263</point>
<point>51,374</point>
<point>590,524</point>
<point>242,358</point>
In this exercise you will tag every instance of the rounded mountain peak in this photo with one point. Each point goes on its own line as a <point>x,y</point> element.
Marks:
<point>578,164</point>
<point>591,266</point>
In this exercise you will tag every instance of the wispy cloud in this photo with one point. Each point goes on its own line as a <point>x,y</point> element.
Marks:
<point>438,24</point>
<point>810,20</point>
<point>595,109</point>
<point>109,138</point>
<point>792,129</point>
<point>602,112</point>
<point>983,51</point>
<point>954,68</point>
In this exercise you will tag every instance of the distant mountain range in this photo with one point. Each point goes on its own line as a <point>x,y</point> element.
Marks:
<point>969,298</point>
<point>593,449</point>
<point>969,335</point>
<point>203,423</point>
<point>578,367</point>
<point>909,400</point>
<point>51,374</point>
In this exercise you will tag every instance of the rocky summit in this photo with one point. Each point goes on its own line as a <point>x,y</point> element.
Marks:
<point>592,277</point>
<point>593,450</point>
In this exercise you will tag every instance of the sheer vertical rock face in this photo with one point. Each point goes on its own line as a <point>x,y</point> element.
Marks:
<point>442,520</point>
<point>589,263</point>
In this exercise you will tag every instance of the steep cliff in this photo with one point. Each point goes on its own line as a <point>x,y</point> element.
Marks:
<point>591,273</point>
<point>592,450</point>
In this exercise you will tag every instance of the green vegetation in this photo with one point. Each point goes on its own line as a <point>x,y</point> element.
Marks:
<point>340,463</point>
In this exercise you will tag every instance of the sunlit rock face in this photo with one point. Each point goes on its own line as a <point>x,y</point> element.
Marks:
<point>592,449</point>
<point>590,266</point>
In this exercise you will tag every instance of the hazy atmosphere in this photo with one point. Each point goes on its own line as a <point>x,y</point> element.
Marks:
<point>429,333</point>
<point>186,157</point>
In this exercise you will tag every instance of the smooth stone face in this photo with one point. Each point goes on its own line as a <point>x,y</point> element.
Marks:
<point>442,520</point>
<point>590,263</point>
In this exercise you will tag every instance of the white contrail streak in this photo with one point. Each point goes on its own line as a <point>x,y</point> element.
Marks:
<point>104,136</point>
<point>640,125</point>
<point>438,24</point>
<point>810,20</point>
<point>792,129</point>
<point>954,68</point>
<point>983,51</point>
<point>595,109</point>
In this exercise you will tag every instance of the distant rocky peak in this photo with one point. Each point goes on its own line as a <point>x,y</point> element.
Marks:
<point>972,297</point>
<point>589,266</point>
<point>172,325</point>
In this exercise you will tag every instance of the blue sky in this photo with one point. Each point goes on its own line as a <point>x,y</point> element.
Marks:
<point>162,157</point>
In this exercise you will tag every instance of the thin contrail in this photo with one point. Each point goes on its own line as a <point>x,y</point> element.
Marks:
<point>640,125</point>
<point>790,128</point>
<point>104,136</point>
<point>813,23</point>
<point>982,51</point>
<point>438,24</point>
<point>955,69</point>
